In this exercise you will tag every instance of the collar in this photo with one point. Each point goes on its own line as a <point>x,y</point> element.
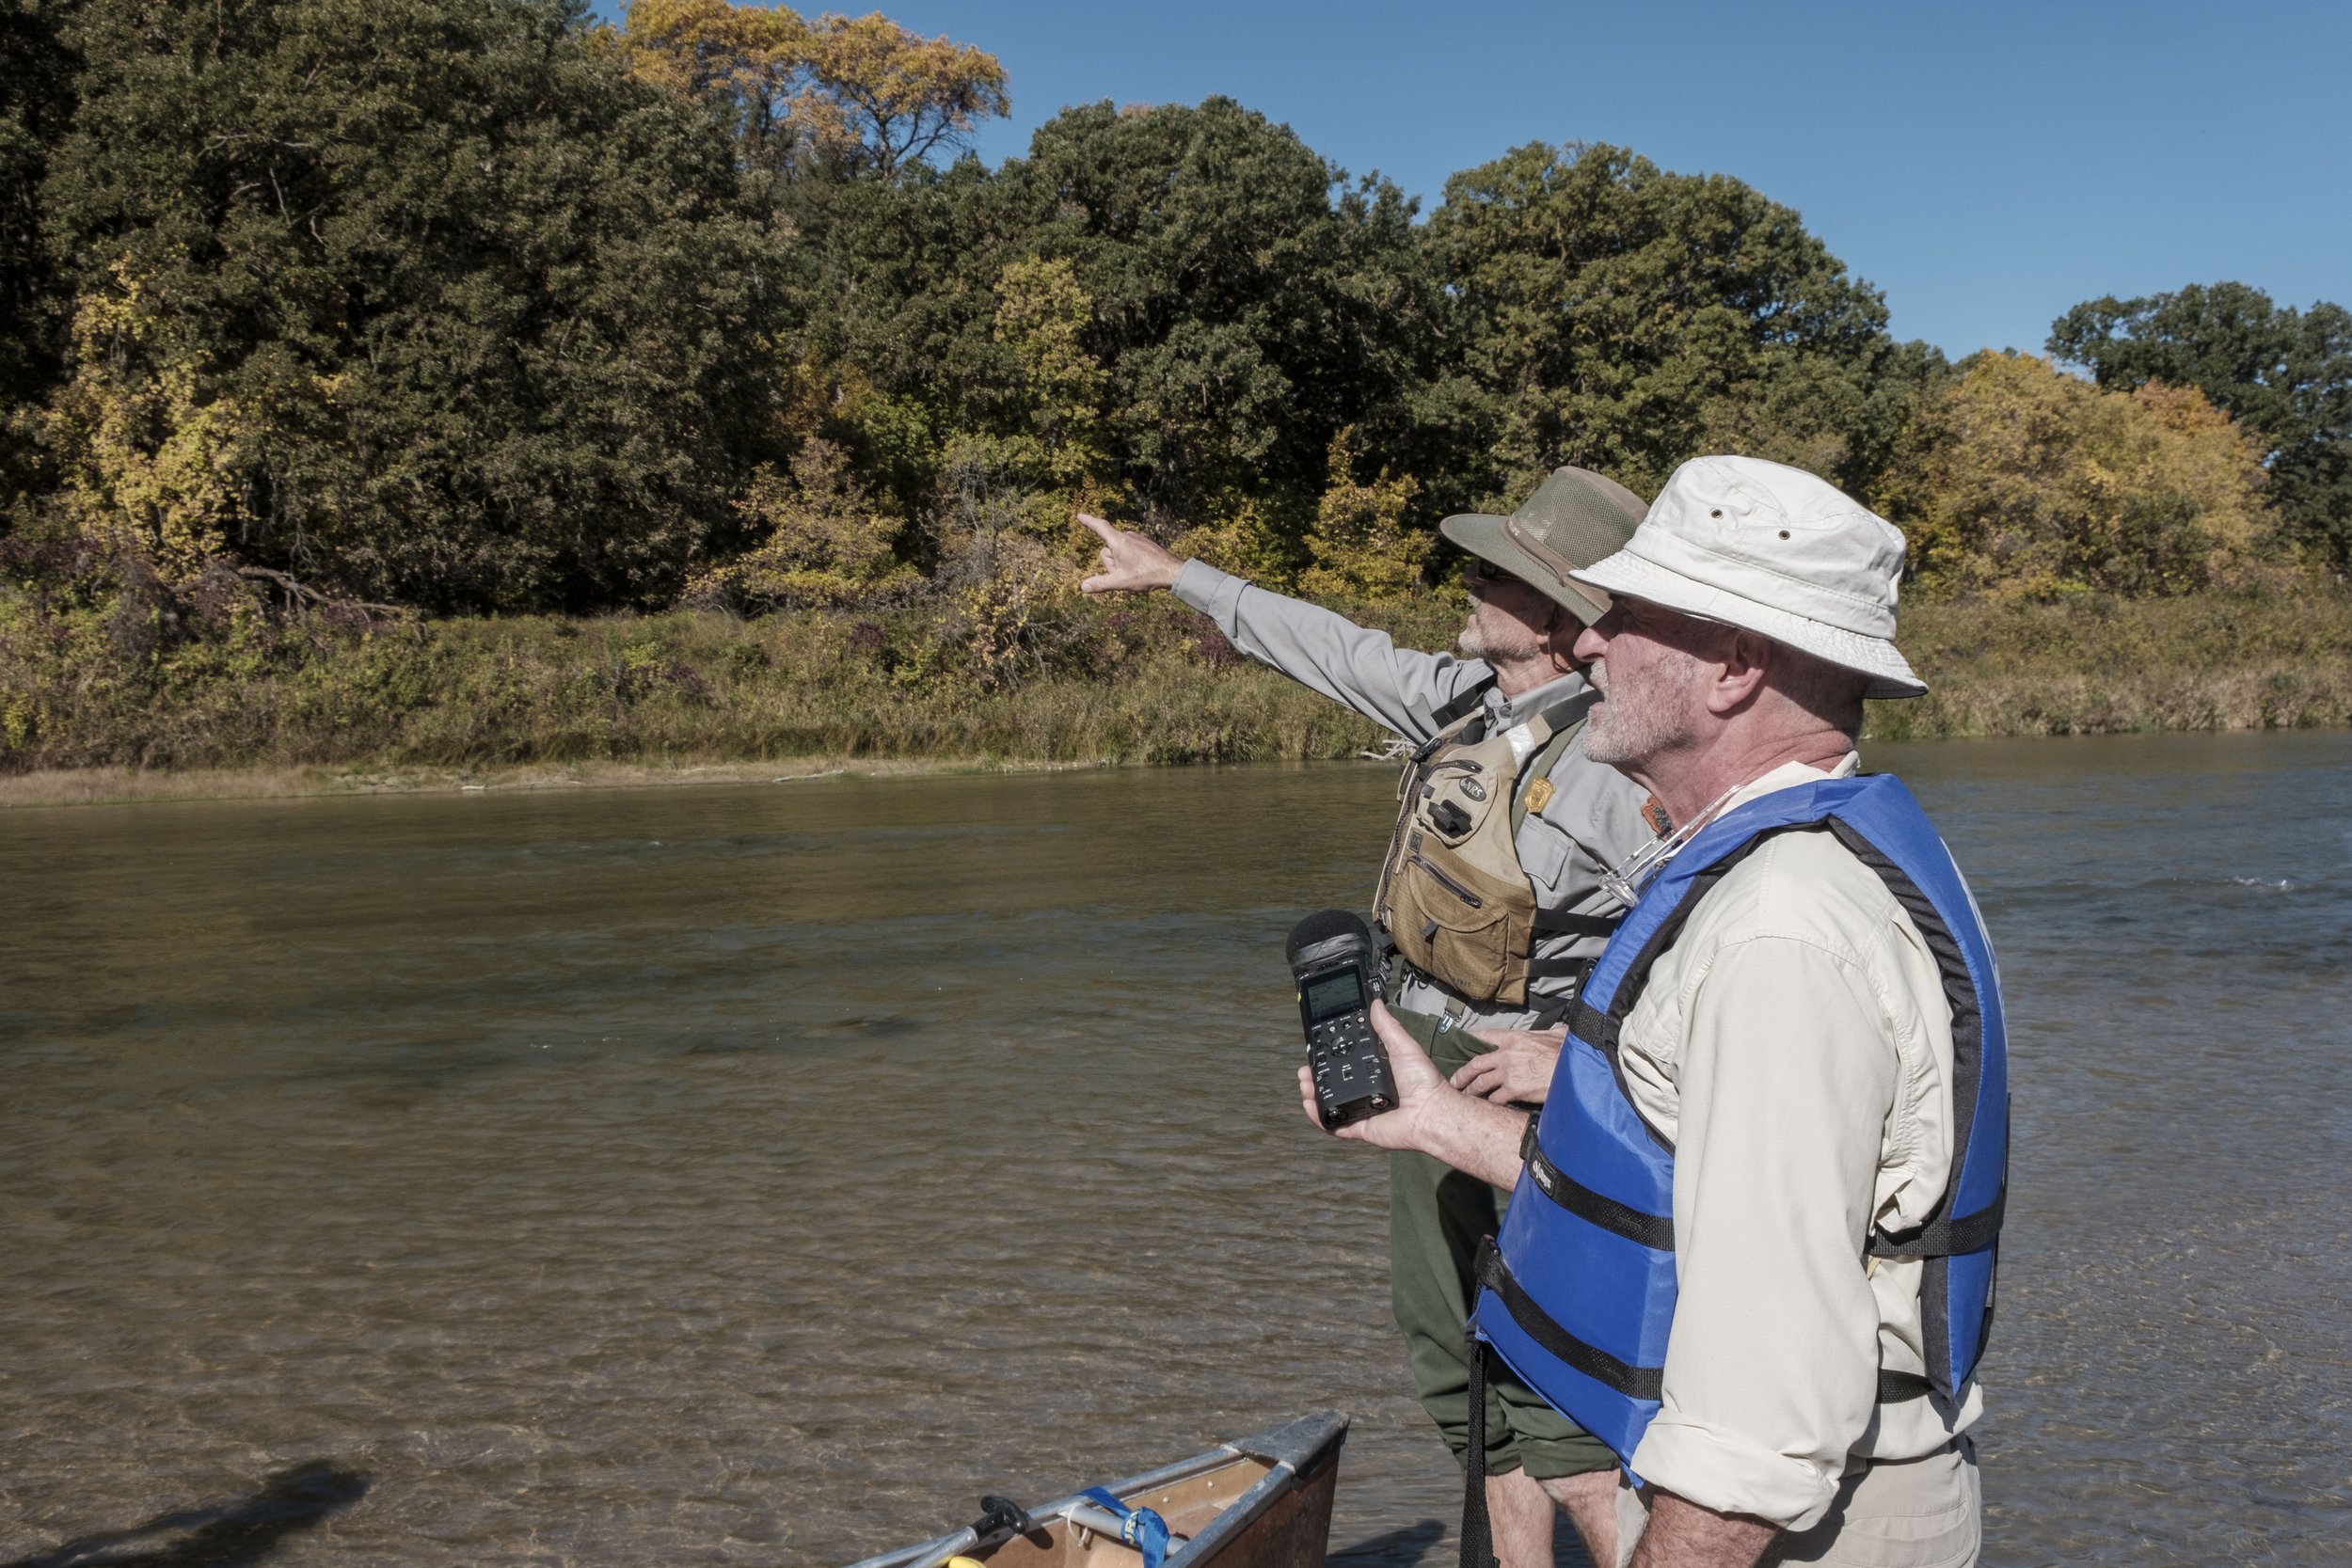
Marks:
<point>1789,775</point>
<point>1511,711</point>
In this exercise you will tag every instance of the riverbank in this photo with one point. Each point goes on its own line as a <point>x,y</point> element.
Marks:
<point>537,702</point>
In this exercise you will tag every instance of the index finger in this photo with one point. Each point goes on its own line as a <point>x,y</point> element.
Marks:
<point>1103,530</point>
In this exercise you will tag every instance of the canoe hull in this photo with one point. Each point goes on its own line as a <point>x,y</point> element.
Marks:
<point>1263,1502</point>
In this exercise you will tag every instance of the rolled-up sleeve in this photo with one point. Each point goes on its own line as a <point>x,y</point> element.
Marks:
<point>1786,1077</point>
<point>1327,653</point>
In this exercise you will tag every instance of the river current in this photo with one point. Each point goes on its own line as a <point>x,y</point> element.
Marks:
<point>756,1174</point>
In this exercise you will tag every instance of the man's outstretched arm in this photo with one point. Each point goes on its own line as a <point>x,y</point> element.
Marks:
<point>1325,651</point>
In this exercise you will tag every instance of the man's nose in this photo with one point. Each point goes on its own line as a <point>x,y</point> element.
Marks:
<point>1590,645</point>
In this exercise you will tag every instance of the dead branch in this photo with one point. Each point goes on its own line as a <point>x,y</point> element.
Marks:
<point>299,592</point>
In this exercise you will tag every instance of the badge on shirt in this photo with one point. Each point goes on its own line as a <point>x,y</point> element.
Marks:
<point>1538,796</point>
<point>1655,814</point>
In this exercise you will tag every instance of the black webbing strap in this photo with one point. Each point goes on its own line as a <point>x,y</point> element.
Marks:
<point>1562,717</point>
<point>1478,1540</point>
<point>1898,1387</point>
<point>1561,923</point>
<point>1634,1382</point>
<point>1465,700</point>
<point>1547,1012</point>
<point>1944,1238</point>
<point>1593,1026</point>
<point>1655,1231</point>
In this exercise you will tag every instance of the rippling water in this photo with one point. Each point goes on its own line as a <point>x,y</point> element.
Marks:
<point>757,1175</point>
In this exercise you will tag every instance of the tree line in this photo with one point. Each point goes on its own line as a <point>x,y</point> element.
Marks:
<point>480,306</point>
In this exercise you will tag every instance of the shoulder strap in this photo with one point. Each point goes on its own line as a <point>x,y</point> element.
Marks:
<point>1463,700</point>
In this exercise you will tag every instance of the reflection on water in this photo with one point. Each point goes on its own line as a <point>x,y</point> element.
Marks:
<point>758,1175</point>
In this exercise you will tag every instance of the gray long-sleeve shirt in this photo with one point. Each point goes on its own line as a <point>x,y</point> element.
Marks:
<point>1592,822</point>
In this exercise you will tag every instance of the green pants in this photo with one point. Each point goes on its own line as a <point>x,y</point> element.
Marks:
<point>1437,1218</point>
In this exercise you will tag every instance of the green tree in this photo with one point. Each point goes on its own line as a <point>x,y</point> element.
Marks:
<point>420,299</point>
<point>2285,373</point>
<point>2018,480</point>
<point>1620,317</point>
<point>37,96</point>
<point>1247,301</point>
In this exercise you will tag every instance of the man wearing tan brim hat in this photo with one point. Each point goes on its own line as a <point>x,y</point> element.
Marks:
<point>1789,1070</point>
<point>1485,1005</point>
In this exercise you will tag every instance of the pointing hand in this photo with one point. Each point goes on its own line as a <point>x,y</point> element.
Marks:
<point>1131,563</point>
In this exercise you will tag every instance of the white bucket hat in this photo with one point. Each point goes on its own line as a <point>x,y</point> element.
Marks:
<point>1774,551</point>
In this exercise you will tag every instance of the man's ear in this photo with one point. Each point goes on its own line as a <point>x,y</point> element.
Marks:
<point>1560,634</point>
<point>1745,657</point>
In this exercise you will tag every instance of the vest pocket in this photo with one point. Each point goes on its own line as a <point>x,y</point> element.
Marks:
<point>1461,893</point>
<point>1450,932</point>
<point>1472,958</point>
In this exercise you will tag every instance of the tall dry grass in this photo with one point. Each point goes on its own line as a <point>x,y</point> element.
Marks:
<point>1138,683</point>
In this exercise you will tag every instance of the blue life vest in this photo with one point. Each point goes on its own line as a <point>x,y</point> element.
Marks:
<point>1578,1294</point>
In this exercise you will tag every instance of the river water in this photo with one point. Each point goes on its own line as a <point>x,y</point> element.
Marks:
<point>757,1175</point>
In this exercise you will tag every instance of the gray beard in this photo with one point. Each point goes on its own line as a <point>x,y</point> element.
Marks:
<point>1638,719</point>
<point>1475,642</point>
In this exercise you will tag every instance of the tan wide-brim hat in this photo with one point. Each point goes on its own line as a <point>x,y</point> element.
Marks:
<point>1575,518</point>
<point>1776,551</point>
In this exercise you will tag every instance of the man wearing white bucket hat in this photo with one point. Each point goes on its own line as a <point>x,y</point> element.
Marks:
<point>1752,1241</point>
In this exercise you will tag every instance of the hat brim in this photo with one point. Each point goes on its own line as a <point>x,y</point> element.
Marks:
<point>1482,536</point>
<point>1637,578</point>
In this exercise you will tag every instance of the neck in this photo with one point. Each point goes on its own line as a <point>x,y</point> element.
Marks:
<point>1688,780</point>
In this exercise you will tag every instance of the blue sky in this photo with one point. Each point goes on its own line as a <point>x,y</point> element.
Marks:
<point>1986,164</point>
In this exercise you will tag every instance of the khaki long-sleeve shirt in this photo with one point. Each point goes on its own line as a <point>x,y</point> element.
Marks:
<point>1592,822</point>
<point>1795,1045</point>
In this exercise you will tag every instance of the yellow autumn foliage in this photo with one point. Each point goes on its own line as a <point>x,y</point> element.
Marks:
<point>150,467</point>
<point>1361,547</point>
<point>854,90</point>
<point>1042,311</point>
<point>827,544</point>
<point>2020,481</point>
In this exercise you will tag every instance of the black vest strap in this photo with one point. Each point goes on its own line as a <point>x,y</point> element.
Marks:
<point>1559,969</point>
<point>1467,699</point>
<point>1945,1238</point>
<point>1898,1387</point>
<point>1571,712</point>
<point>1546,1012</point>
<point>1560,922</point>
<point>1594,1027</point>
<point>1655,1231</point>
<point>1634,1382</point>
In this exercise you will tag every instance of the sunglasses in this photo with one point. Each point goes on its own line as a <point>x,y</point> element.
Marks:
<point>1480,573</point>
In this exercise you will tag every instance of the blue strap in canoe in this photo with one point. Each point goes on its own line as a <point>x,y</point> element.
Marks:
<point>1141,1529</point>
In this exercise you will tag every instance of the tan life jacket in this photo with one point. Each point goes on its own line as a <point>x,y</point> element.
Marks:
<point>1453,895</point>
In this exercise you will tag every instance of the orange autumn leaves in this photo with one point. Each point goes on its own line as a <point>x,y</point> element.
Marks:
<point>854,91</point>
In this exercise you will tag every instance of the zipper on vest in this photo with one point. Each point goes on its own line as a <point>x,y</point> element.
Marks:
<point>1464,895</point>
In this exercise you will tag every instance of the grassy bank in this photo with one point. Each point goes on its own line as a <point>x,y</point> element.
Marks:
<point>681,696</point>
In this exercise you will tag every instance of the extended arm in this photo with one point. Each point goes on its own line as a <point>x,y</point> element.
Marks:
<point>1325,651</point>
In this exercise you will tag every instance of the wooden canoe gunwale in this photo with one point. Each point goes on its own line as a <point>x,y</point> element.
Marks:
<point>1294,1452</point>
